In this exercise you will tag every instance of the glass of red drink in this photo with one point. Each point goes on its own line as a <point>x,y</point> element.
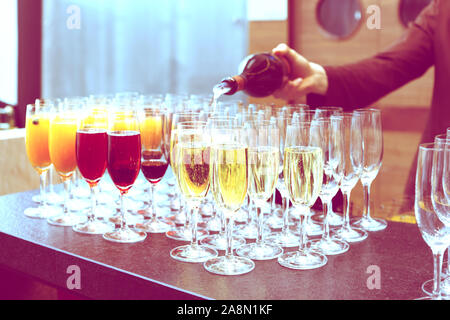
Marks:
<point>91,154</point>
<point>124,163</point>
<point>154,160</point>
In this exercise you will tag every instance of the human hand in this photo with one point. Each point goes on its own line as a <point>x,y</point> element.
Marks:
<point>305,77</point>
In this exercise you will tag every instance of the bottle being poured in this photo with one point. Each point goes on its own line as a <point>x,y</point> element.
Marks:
<point>260,75</point>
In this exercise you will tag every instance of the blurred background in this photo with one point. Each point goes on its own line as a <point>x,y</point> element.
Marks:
<point>62,48</point>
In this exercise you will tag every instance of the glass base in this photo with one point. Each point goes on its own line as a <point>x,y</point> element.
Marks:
<point>351,235</point>
<point>125,236</point>
<point>214,225</point>
<point>193,253</point>
<point>330,247</point>
<point>219,242</point>
<point>66,220</point>
<point>229,266</point>
<point>334,219</point>
<point>184,234</point>
<point>303,260</point>
<point>155,226</point>
<point>284,239</point>
<point>93,227</point>
<point>427,287</point>
<point>262,251</point>
<point>369,224</point>
<point>130,219</point>
<point>42,213</point>
<point>249,231</point>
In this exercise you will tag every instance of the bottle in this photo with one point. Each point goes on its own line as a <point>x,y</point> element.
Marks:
<point>260,75</point>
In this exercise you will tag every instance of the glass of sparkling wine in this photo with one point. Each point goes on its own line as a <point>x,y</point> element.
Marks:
<point>303,177</point>
<point>193,162</point>
<point>263,170</point>
<point>229,181</point>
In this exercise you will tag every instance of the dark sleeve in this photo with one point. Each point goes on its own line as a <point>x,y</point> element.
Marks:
<point>362,83</point>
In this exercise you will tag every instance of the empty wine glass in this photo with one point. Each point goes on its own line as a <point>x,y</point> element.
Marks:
<point>372,133</point>
<point>435,233</point>
<point>303,174</point>
<point>352,162</point>
<point>330,135</point>
<point>193,161</point>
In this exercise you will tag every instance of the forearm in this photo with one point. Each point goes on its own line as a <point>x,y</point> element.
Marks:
<point>362,83</point>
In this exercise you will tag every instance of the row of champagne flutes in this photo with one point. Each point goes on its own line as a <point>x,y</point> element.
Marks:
<point>128,133</point>
<point>432,203</point>
<point>315,138</point>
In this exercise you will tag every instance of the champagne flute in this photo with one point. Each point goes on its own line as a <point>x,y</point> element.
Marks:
<point>285,238</point>
<point>303,172</point>
<point>263,167</point>
<point>372,132</point>
<point>36,140</point>
<point>193,153</point>
<point>62,146</point>
<point>440,167</point>
<point>91,156</point>
<point>334,219</point>
<point>154,162</point>
<point>124,162</point>
<point>435,231</point>
<point>229,181</point>
<point>352,162</point>
<point>184,232</point>
<point>330,133</point>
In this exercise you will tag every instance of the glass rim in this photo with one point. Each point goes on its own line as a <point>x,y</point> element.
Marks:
<point>430,146</point>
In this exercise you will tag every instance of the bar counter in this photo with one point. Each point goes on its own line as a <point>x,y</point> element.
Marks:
<point>146,271</point>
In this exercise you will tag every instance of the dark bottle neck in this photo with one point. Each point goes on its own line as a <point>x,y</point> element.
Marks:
<point>235,84</point>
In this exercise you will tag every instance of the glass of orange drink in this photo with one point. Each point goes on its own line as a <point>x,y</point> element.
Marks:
<point>62,149</point>
<point>36,141</point>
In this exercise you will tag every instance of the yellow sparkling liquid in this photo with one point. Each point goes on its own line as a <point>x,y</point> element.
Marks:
<point>62,140</point>
<point>193,171</point>
<point>229,176</point>
<point>303,174</point>
<point>37,130</point>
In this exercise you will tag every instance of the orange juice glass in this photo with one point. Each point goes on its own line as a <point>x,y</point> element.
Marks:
<point>36,142</point>
<point>62,148</point>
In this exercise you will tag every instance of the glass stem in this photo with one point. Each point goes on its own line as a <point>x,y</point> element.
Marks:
<point>194,214</point>
<point>229,234</point>
<point>366,213</point>
<point>123,224</point>
<point>259,217</point>
<point>91,216</point>
<point>437,263</point>
<point>42,188</point>
<point>346,203</point>
<point>67,181</point>
<point>285,206</point>
<point>152,199</point>
<point>302,231</point>
<point>326,233</point>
